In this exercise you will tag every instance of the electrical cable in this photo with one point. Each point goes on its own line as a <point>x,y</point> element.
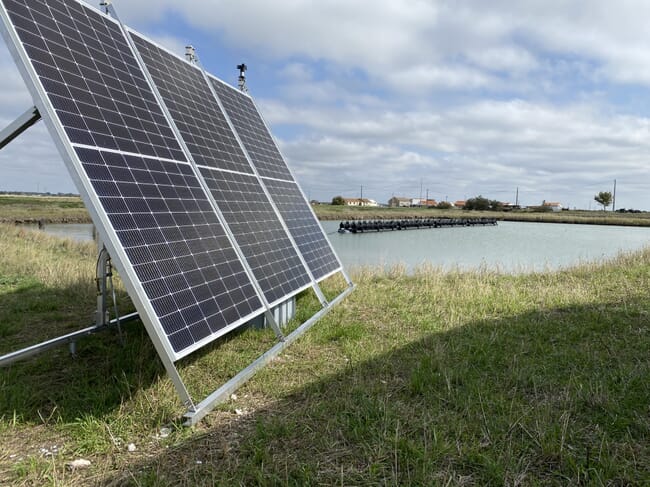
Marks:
<point>117,313</point>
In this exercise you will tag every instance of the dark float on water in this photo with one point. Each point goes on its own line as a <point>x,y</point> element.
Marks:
<point>360,226</point>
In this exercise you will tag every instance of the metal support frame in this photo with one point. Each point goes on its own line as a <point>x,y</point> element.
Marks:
<point>223,393</point>
<point>194,411</point>
<point>18,126</point>
<point>70,338</point>
<point>103,320</point>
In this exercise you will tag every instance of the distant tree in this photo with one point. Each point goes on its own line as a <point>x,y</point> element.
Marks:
<point>604,198</point>
<point>338,200</point>
<point>496,205</point>
<point>478,203</point>
<point>443,205</point>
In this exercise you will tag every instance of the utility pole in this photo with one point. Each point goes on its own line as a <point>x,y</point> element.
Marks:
<point>614,197</point>
<point>427,201</point>
<point>420,191</point>
<point>361,197</point>
<point>517,197</point>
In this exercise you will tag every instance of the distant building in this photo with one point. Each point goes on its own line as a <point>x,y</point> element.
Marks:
<point>510,206</point>
<point>359,202</point>
<point>459,203</point>
<point>423,202</point>
<point>552,205</point>
<point>397,202</point>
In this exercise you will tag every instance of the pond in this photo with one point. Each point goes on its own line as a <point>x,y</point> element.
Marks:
<point>512,247</point>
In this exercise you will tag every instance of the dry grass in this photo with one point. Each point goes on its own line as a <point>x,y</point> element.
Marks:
<point>435,378</point>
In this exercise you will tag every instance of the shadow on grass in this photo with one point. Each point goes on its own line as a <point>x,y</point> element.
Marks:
<point>549,397</point>
<point>54,386</point>
<point>108,368</point>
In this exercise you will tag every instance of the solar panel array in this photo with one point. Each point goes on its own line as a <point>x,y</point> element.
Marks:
<point>237,191</point>
<point>172,191</point>
<point>279,181</point>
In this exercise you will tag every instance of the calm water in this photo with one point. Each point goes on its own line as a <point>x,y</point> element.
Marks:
<point>510,246</point>
<point>82,232</point>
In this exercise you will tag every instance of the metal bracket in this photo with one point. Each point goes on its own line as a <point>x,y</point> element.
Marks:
<point>18,126</point>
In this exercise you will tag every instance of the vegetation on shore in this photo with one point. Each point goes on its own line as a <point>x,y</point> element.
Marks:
<point>70,209</point>
<point>460,378</point>
<point>44,209</point>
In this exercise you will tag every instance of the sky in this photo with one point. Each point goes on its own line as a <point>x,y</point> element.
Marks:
<point>547,99</point>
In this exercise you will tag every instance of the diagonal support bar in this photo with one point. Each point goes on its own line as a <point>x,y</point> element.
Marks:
<point>18,126</point>
<point>222,394</point>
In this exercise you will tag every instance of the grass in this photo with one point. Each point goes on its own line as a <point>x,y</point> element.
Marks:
<point>47,209</point>
<point>459,378</point>
<point>68,209</point>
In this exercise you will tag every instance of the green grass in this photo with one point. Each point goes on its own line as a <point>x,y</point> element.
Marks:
<point>430,379</point>
<point>48,209</point>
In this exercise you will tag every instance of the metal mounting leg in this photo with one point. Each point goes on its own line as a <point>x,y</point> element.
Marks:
<point>270,319</point>
<point>18,126</point>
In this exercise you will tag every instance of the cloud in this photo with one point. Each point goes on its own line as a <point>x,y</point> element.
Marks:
<point>469,96</point>
<point>487,147</point>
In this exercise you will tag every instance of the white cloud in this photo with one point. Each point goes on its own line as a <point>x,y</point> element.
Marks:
<point>476,96</point>
<point>487,147</point>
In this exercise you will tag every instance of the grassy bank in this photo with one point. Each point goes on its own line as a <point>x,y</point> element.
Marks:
<point>330,212</point>
<point>47,209</point>
<point>431,379</point>
<point>55,209</point>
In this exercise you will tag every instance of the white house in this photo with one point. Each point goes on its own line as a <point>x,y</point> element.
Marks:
<point>360,202</point>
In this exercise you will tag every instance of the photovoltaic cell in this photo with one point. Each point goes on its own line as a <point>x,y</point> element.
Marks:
<point>93,81</point>
<point>261,148</point>
<point>239,195</point>
<point>193,108</point>
<point>150,195</point>
<point>177,247</point>
<point>258,232</point>
<point>306,231</point>
<point>252,131</point>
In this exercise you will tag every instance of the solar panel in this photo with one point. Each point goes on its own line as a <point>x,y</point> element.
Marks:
<point>238,193</point>
<point>191,212</point>
<point>168,243</point>
<point>252,131</point>
<point>188,98</point>
<point>305,229</point>
<point>276,176</point>
<point>248,211</point>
